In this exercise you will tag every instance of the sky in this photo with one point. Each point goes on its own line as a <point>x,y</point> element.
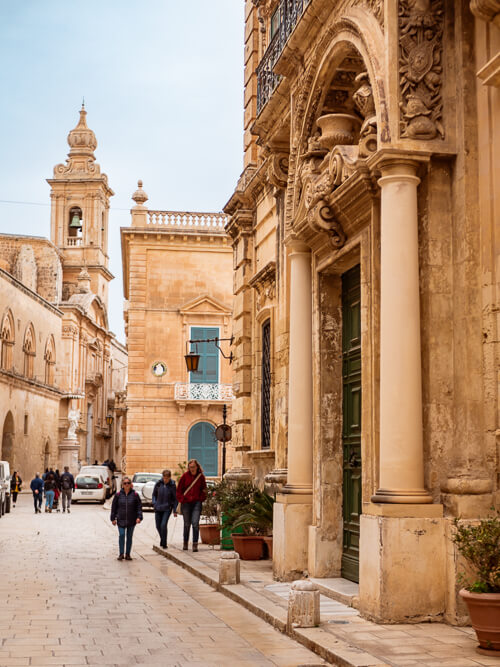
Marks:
<point>163,88</point>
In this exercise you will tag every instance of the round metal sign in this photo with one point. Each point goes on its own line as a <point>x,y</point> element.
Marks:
<point>223,432</point>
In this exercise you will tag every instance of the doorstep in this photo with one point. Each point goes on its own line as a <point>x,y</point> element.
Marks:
<point>339,589</point>
<point>268,599</point>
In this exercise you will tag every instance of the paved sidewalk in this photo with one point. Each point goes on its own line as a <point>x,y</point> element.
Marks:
<point>344,637</point>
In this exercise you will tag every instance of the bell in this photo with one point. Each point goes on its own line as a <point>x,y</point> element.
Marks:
<point>75,222</point>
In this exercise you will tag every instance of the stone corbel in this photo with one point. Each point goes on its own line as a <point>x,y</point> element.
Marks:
<point>277,172</point>
<point>322,218</point>
<point>488,11</point>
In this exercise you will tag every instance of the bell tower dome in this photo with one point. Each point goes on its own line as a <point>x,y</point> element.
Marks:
<point>79,213</point>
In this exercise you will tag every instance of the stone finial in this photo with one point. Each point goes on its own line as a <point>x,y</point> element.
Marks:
<point>303,605</point>
<point>229,568</point>
<point>139,196</point>
<point>82,139</point>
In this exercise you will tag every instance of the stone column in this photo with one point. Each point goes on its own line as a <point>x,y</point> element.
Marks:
<point>293,509</point>
<point>401,434</point>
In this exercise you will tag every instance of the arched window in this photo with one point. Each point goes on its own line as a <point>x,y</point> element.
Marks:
<point>75,222</point>
<point>7,340</point>
<point>50,360</point>
<point>29,349</point>
<point>203,447</point>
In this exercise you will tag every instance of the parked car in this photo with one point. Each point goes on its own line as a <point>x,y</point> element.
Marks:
<point>105,474</point>
<point>4,486</point>
<point>89,487</point>
<point>5,474</point>
<point>144,484</point>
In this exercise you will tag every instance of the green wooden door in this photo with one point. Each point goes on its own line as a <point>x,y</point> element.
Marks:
<point>351,430</point>
<point>203,446</point>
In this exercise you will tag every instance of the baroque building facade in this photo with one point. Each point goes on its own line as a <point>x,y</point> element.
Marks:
<point>57,352</point>
<point>177,272</point>
<point>365,241</point>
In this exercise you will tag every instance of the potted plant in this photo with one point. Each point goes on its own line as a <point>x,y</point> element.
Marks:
<point>479,544</point>
<point>235,501</point>
<point>210,514</point>
<point>258,519</point>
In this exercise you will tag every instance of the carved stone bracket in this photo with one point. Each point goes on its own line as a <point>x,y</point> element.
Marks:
<point>264,282</point>
<point>420,24</point>
<point>487,10</point>
<point>277,172</point>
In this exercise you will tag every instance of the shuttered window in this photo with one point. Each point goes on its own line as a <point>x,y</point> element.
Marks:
<point>208,369</point>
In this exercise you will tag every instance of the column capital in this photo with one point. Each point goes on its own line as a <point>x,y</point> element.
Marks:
<point>297,247</point>
<point>392,162</point>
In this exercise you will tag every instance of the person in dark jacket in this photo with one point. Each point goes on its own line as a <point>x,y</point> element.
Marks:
<point>67,482</point>
<point>49,486</point>
<point>191,492</point>
<point>126,512</point>
<point>15,486</point>
<point>36,487</point>
<point>164,502</point>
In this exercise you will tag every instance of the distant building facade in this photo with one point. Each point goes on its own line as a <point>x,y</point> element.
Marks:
<point>56,347</point>
<point>366,289</point>
<point>177,272</point>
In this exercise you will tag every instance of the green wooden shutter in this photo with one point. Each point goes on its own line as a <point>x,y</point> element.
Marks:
<point>202,446</point>
<point>208,369</point>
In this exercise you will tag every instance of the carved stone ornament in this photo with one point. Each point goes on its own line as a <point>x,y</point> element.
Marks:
<point>375,6</point>
<point>487,10</point>
<point>365,104</point>
<point>277,172</point>
<point>264,283</point>
<point>420,70</point>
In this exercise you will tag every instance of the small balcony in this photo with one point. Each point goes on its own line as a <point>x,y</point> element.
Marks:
<point>290,12</point>
<point>74,241</point>
<point>203,392</point>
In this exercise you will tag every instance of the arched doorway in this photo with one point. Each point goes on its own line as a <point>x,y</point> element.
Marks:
<point>203,447</point>
<point>8,439</point>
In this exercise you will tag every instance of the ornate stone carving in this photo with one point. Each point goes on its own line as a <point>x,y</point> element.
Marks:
<point>420,50</point>
<point>375,6</point>
<point>277,172</point>
<point>363,99</point>
<point>487,10</point>
<point>264,282</point>
<point>73,418</point>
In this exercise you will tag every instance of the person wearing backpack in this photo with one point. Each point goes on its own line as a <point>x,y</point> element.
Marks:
<point>67,483</point>
<point>191,492</point>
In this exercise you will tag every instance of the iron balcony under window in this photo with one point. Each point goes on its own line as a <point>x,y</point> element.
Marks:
<point>290,12</point>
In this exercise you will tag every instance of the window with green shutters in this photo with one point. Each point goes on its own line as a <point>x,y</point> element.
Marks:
<point>202,446</point>
<point>208,369</point>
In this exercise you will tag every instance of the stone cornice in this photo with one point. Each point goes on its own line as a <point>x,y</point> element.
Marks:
<point>26,290</point>
<point>266,276</point>
<point>21,382</point>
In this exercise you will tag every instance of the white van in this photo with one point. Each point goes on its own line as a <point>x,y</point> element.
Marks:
<point>4,487</point>
<point>105,474</point>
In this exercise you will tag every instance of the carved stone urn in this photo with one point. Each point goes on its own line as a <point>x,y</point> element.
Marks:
<point>338,129</point>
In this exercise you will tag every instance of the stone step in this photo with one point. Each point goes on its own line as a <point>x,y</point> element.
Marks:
<point>339,589</point>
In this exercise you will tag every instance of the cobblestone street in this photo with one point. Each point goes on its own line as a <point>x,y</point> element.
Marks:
<point>66,600</point>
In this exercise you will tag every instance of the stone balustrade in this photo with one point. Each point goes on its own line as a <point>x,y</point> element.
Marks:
<point>191,391</point>
<point>74,241</point>
<point>198,222</point>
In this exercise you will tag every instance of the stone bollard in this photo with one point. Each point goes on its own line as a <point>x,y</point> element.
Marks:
<point>303,605</point>
<point>229,568</point>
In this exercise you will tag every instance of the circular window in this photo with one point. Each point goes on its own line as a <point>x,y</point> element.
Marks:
<point>159,369</point>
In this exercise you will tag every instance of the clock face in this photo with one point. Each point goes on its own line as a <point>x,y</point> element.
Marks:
<point>158,369</point>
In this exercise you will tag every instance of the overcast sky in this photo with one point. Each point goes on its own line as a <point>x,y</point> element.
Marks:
<point>163,88</point>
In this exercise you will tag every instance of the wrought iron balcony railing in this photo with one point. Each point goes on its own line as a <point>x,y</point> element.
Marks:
<point>203,392</point>
<point>267,80</point>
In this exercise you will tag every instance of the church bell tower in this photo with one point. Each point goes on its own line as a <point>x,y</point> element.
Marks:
<point>79,213</point>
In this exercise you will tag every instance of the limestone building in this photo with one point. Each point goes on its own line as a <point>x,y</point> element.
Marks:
<point>365,242</point>
<point>57,350</point>
<point>177,272</point>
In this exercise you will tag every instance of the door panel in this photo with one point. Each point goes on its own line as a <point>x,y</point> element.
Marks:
<point>351,420</point>
<point>202,446</point>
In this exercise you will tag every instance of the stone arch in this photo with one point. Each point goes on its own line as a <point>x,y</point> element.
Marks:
<point>7,340</point>
<point>356,32</point>
<point>8,439</point>
<point>50,359</point>
<point>29,349</point>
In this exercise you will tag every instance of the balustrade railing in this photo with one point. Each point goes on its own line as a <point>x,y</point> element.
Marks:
<point>208,222</point>
<point>267,80</point>
<point>203,392</point>
<point>74,240</point>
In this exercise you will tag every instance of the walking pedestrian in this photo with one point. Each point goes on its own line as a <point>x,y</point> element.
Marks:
<point>164,502</point>
<point>49,487</point>
<point>126,512</point>
<point>67,487</point>
<point>191,492</point>
<point>36,487</point>
<point>15,487</point>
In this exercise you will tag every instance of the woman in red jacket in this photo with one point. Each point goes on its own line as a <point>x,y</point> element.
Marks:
<point>191,492</point>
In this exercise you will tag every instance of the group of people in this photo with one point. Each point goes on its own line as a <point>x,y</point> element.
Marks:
<point>191,491</point>
<point>53,486</point>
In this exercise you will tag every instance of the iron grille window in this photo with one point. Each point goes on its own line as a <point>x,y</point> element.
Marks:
<point>265,416</point>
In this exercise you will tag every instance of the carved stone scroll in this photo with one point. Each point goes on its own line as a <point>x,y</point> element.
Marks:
<point>420,25</point>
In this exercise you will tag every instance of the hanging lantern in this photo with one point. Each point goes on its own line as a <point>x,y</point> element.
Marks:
<point>192,361</point>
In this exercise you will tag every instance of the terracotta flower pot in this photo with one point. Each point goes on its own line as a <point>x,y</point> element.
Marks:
<point>210,533</point>
<point>249,547</point>
<point>268,540</point>
<point>484,611</point>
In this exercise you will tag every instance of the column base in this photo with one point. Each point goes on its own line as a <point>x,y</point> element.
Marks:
<point>69,450</point>
<point>292,518</point>
<point>402,574</point>
<point>403,496</point>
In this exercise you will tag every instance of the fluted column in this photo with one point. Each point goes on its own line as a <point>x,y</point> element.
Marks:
<point>401,434</point>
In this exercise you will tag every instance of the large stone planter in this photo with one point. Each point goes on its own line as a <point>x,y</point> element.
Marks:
<point>484,611</point>
<point>338,129</point>
<point>249,547</point>
<point>210,533</point>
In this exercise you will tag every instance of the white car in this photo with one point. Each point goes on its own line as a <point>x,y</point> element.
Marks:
<point>144,484</point>
<point>89,487</point>
<point>105,474</point>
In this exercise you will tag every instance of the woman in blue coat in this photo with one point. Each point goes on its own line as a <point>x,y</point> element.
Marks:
<point>164,502</point>
<point>126,512</point>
